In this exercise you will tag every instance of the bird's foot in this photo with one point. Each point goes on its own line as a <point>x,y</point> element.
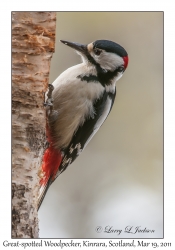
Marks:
<point>49,101</point>
<point>51,113</point>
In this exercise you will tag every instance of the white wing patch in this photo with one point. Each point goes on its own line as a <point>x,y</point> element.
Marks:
<point>77,147</point>
<point>101,119</point>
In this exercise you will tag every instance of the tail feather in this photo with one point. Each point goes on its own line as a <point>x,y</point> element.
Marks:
<point>50,167</point>
<point>42,192</point>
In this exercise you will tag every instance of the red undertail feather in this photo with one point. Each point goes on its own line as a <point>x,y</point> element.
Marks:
<point>51,160</point>
<point>50,165</point>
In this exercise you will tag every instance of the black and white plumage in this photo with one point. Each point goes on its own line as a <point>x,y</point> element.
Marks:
<point>83,97</point>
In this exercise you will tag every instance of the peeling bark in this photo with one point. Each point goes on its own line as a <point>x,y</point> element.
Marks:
<point>33,41</point>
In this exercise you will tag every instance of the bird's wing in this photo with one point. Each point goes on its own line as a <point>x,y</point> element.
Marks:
<point>84,134</point>
<point>80,139</point>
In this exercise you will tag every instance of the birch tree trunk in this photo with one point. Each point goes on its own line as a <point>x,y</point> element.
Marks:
<point>33,41</point>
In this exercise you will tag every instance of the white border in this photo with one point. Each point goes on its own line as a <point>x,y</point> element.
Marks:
<point>169,94</point>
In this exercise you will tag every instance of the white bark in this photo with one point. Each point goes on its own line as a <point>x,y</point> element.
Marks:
<point>33,41</point>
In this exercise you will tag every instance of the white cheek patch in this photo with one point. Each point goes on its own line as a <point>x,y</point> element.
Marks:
<point>108,61</point>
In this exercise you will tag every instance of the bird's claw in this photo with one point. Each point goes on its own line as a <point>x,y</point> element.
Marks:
<point>49,101</point>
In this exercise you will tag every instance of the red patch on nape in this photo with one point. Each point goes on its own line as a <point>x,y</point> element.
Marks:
<point>125,59</point>
<point>51,161</point>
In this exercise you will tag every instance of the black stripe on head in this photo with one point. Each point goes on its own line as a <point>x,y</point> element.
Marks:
<point>88,78</point>
<point>106,78</point>
<point>102,76</point>
<point>110,46</point>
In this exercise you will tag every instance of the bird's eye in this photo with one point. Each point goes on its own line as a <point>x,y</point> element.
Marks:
<point>97,52</point>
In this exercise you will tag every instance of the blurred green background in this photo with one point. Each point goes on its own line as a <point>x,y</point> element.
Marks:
<point>118,179</point>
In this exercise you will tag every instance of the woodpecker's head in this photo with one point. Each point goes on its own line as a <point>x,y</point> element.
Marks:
<point>109,58</point>
<point>107,54</point>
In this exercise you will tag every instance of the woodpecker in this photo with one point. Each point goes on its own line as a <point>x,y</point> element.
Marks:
<point>78,103</point>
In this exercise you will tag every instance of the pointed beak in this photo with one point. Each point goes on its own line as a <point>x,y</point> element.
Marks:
<point>77,46</point>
